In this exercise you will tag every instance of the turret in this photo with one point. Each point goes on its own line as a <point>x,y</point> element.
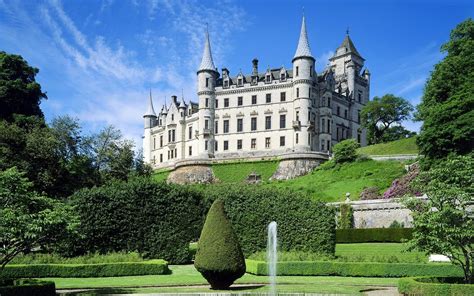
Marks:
<point>150,115</point>
<point>303,78</point>
<point>150,120</point>
<point>207,76</point>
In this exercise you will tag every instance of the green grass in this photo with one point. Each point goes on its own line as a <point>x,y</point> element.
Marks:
<point>404,146</point>
<point>183,276</point>
<point>379,252</point>
<point>238,172</point>
<point>330,185</point>
<point>160,175</point>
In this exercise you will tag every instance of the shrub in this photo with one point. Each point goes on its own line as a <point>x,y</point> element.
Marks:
<point>346,216</point>
<point>86,270</point>
<point>219,257</point>
<point>362,269</point>
<point>402,185</point>
<point>27,287</point>
<point>303,224</point>
<point>345,151</point>
<point>371,235</point>
<point>156,219</point>
<point>91,258</point>
<point>370,193</point>
<point>434,286</point>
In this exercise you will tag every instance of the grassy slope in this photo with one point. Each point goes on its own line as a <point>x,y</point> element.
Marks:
<point>238,172</point>
<point>404,146</point>
<point>332,184</point>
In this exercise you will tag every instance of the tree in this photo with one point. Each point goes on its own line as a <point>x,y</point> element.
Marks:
<point>345,151</point>
<point>19,92</point>
<point>219,257</point>
<point>396,132</point>
<point>381,113</point>
<point>445,225</point>
<point>447,106</point>
<point>27,219</point>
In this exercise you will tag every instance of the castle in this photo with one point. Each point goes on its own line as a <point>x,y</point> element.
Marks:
<point>262,114</point>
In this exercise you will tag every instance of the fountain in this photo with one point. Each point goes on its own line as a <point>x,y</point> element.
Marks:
<point>272,256</point>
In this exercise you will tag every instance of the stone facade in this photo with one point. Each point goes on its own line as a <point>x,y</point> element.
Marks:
<point>262,114</point>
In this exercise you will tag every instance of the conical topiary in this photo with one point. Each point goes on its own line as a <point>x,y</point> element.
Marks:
<point>219,257</point>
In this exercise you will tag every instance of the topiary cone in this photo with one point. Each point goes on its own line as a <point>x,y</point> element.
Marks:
<point>219,257</point>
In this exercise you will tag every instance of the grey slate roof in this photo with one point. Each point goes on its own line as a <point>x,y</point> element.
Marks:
<point>207,63</point>
<point>347,46</point>
<point>303,49</point>
<point>150,111</point>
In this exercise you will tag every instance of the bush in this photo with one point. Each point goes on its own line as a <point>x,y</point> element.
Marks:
<point>156,219</point>
<point>345,151</point>
<point>434,286</point>
<point>371,235</point>
<point>27,288</point>
<point>219,258</point>
<point>346,216</point>
<point>370,193</point>
<point>86,270</point>
<point>362,269</point>
<point>91,258</point>
<point>402,186</point>
<point>303,224</point>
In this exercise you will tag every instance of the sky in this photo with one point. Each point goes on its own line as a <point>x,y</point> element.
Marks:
<point>98,60</point>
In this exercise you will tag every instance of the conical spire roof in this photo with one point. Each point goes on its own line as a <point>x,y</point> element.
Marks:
<point>303,49</point>
<point>150,111</point>
<point>347,46</point>
<point>207,63</point>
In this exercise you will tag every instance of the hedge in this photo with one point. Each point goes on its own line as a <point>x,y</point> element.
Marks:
<point>359,269</point>
<point>303,224</point>
<point>151,267</point>
<point>434,286</point>
<point>370,235</point>
<point>27,288</point>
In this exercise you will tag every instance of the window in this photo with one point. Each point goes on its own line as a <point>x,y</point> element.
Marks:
<point>253,124</point>
<point>206,124</point>
<point>205,145</point>
<point>283,96</point>
<point>322,145</point>
<point>226,83</point>
<point>283,121</point>
<point>359,97</point>
<point>182,114</point>
<point>329,102</point>
<point>358,138</point>
<point>240,124</point>
<point>172,153</point>
<point>253,143</point>
<point>310,71</point>
<point>282,141</point>
<point>226,145</point>
<point>268,98</point>
<point>172,116</point>
<point>154,143</point>
<point>240,82</point>
<point>282,76</point>
<point>345,113</point>
<point>297,138</point>
<point>239,144</point>
<point>215,146</point>
<point>190,132</point>
<point>240,101</point>
<point>268,77</point>
<point>161,141</point>
<point>329,145</point>
<point>329,128</point>
<point>297,92</point>
<point>297,115</point>
<point>169,155</point>
<point>267,142</point>
<point>207,82</point>
<point>358,116</point>
<point>217,103</point>
<point>338,111</point>
<point>161,157</point>
<point>173,135</point>
<point>268,122</point>
<point>216,127</point>
<point>190,150</point>
<point>226,126</point>
<point>297,70</point>
<point>323,126</point>
<point>226,102</point>
<point>154,160</point>
<point>309,139</point>
<point>254,99</point>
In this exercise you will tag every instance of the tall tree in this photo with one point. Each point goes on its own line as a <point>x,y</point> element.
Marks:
<point>381,113</point>
<point>19,91</point>
<point>447,107</point>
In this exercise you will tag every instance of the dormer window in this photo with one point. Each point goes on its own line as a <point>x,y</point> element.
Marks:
<point>268,78</point>
<point>226,83</point>
<point>240,82</point>
<point>282,76</point>
<point>254,80</point>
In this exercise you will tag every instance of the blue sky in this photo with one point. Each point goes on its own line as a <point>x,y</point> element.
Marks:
<point>98,59</point>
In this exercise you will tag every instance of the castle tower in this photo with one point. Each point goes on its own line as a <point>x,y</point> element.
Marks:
<point>303,78</point>
<point>207,76</point>
<point>150,120</point>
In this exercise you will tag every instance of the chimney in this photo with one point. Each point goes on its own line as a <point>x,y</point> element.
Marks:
<point>255,67</point>
<point>175,99</point>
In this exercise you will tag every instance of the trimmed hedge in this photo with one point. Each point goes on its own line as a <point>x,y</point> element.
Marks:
<point>372,235</point>
<point>359,269</point>
<point>303,224</point>
<point>151,267</point>
<point>27,288</point>
<point>433,286</point>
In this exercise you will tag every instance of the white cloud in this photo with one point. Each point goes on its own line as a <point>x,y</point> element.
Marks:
<point>323,60</point>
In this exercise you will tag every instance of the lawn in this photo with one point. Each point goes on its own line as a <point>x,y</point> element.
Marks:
<point>183,276</point>
<point>331,185</point>
<point>238,172</point>
<point>404,146</point>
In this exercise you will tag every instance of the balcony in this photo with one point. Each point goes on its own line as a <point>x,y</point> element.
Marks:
<point>296,124</point>
<point>311,125</point>
<point>206,132</point>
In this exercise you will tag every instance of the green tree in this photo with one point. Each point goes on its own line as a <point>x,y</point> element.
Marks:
<point>381,113</point>
<point>396,132</point>
<point>219,257</point>
<point>19,92</point>
<point>447,106</point>
<point>445,225</point>
<point>345,151</point>
<point>27,219</point>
